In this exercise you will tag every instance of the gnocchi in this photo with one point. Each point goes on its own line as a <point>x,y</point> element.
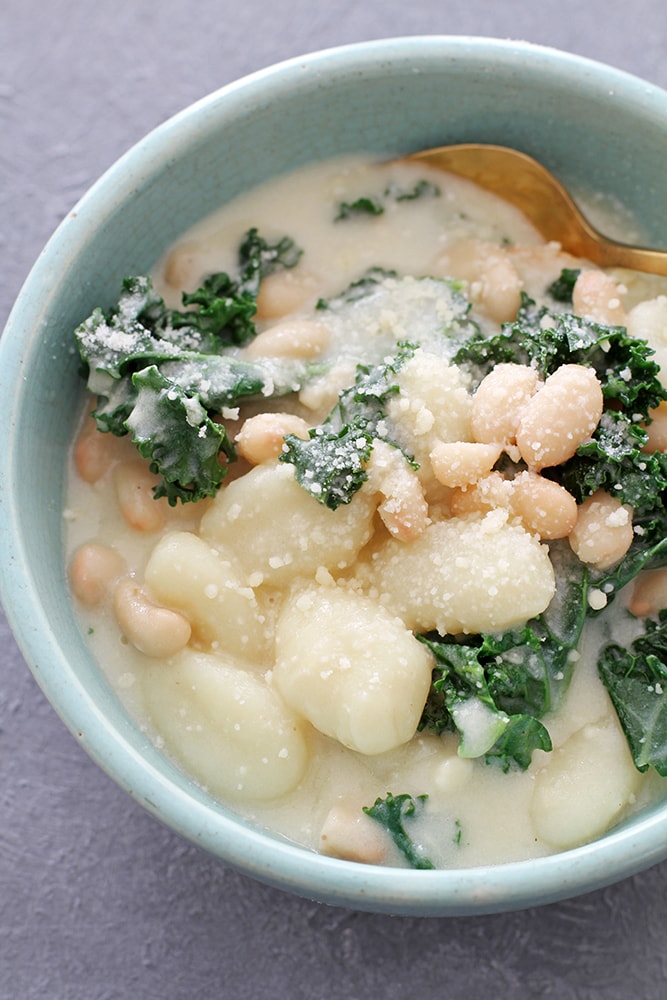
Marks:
<point>365,679</point>
<point>234,734</point>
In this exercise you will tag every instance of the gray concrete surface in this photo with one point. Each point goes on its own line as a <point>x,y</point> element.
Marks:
<point>97,900</point>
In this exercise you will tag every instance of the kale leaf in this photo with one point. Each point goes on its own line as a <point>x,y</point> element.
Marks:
<point>624,365</point>
<point>359,289</point>
<point>174,432</point>
<point>422,189</point>
<point>366,205</point>
<point>392,812</point>
<point>373,386</point>
<point>375,204</point>
<point>162,375</point>
<point>562,288</point>
<point>636,679</point>
<point>331,463</point>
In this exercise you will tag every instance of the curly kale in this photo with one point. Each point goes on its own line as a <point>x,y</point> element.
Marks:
<point>331,464</point>
<point>624,365</point>
<point>636,679</point>
<point>162,375</point>
<point>392,812</point>
<point>375,204</point>
<point>562,288</point>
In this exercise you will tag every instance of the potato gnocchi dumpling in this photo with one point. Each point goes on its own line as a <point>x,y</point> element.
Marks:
<point>230,729</point>
<point>463,574</point>
<point>587,783</point>
<point>353,670</point>
<point>277,533</point>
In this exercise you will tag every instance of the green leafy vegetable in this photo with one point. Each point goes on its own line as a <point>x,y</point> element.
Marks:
<point>162,422</point>
<point>375,204</point>
<point>330,465</point>
<point>162,374</point>
<point>521,736</point>
<point>362,206</point>
<point>422,189</point>
<point>636,679</point>
<point>562,288</point>
<point>392,812</point>
<point>358,289</point>
<point>372,388</point>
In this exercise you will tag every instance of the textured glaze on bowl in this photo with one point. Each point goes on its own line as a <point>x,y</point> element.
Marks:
<point>594,126</point>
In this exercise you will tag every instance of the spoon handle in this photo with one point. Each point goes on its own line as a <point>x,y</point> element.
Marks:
<point>607,253</point>
<point>525,183</point>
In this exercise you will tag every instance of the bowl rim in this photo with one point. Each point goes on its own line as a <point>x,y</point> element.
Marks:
<point>485,889</point>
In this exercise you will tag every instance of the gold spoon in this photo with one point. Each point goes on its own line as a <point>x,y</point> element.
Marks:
<point>525,183</point>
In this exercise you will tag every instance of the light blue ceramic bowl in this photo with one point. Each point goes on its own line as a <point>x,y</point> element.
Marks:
<point>592,125</point>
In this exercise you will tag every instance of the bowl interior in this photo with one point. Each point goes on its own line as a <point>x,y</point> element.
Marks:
<point>599,129</point>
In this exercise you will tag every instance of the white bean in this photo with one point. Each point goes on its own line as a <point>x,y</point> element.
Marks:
<point>154,631</point>
<point>283,292</point>
<point>94,452</point>
<point>261,437</point>
<point>460,463</point>
<point>350,834</point>
<point>295,338</point>
<point>403,511</point>
<point>93,570</point>
<point>560,417</point>
<point>597,296</point>
<point>185,267</point>
<point>499,400</point>
<point>134,484</point>
<point>544,507</point>
<point>649,594</point>
<point>603,532</point>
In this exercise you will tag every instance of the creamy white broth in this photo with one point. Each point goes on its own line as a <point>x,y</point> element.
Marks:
<point>475,814</point>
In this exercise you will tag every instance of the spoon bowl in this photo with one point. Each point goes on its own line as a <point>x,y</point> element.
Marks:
<point>525,183</point>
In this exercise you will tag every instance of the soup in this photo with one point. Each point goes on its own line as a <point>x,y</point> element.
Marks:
<point>372,544</point>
